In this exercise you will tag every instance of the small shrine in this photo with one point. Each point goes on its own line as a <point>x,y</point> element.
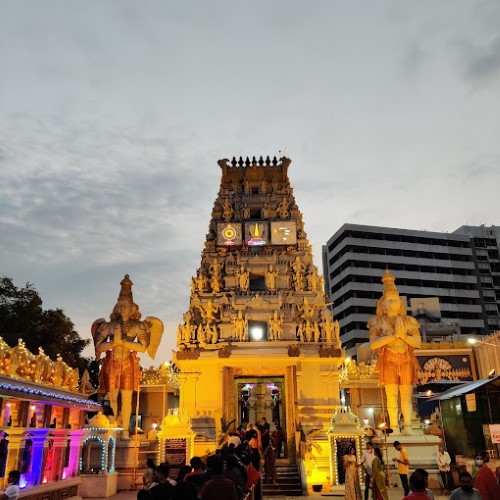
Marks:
<point>345,432</point>
<point>97,462</point>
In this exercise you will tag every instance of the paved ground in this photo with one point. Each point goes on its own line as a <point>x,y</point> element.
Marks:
<point>394,494</point>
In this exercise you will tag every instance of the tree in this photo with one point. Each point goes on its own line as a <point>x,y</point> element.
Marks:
<point>22,316</point>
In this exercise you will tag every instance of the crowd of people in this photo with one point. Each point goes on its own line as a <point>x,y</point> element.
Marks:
<point>481,484</point>
<point>231,473</point>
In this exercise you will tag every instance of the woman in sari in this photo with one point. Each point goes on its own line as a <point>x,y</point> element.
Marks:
<point>378,483</point>
<point>352,486</point>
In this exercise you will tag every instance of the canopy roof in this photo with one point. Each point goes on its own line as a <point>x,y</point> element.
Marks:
<point>467,387</point>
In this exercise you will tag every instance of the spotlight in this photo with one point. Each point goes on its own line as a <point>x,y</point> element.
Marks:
<point>256,333</point>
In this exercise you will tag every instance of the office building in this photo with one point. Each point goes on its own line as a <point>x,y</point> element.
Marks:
<point>486,246</point>
<point>435,272</point>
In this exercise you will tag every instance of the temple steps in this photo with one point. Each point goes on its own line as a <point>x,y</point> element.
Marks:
<point>288,482</point>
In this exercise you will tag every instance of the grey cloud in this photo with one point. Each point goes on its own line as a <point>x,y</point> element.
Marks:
<point>480,62</point>
<point>413,60</point>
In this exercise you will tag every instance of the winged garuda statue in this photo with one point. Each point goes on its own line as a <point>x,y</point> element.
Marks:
<point>121,339</point>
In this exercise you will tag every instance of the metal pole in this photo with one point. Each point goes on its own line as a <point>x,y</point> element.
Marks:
<point>385,436</point>
<point>442,425</point>
<point>136,439</point>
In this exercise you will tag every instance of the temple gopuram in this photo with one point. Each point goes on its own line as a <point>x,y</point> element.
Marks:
<point>258,338</point>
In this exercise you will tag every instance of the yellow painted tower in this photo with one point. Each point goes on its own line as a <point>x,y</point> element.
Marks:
<point>258,338</point>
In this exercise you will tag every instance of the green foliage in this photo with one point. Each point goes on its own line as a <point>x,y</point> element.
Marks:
<point>22,316</point>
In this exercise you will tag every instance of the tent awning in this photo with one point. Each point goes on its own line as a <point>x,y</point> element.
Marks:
<point>464,388</point>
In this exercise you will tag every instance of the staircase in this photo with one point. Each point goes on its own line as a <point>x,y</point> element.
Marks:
<point>288,482</point>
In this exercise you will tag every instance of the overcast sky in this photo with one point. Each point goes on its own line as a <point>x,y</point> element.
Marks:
<point>113,115</point>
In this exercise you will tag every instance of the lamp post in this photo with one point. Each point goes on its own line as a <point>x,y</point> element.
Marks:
<point>385,430</point>
<point>474,341</point>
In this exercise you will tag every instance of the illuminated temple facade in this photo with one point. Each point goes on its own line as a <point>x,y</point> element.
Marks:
<point>258,338</point>
<point>42,433</point>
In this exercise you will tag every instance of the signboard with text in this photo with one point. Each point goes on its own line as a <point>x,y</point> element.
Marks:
<point>495,433</point>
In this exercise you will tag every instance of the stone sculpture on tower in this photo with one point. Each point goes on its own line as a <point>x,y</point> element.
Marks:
<point>121,339</point>
<point>395,335</point>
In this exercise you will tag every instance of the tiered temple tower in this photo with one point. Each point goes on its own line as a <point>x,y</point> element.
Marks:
<point>258,338</point>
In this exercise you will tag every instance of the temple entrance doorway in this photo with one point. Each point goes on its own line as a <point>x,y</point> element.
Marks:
<point>259,397</point>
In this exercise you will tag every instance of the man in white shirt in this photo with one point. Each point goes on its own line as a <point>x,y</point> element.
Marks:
<point>12,490</point>
<point>443,460</point>
<point>366,460</point>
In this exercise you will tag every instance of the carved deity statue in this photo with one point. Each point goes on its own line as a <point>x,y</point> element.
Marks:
<point>395,335</point>
<point>227,210</point>
<point>275,326</point>
<point>201,281</point>
<point>240,323</point>
<point>202,338</point>
<point>209,312</point>
<point>212,333</point>
<point>215,275</point>
<point>331,328</point>
<point>282,208</point>
<point>187,330</point>
<point>266,213</point>
<point>246,211</point>
<point>243,277</point>
<point>271,276</point>
<point>117,338</point>
<point>309,330</point>
<point>306,311</point>
<point>215,284</point>
<point>313,279</point>
<point>301,331</point>
<point>298,273</point>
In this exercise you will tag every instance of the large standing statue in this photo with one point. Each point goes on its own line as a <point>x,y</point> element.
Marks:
<point>117,338</point>
<point>395,335</point>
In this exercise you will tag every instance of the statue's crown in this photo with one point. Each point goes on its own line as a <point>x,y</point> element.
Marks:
<point>388,282</point>
<point>126,290</point>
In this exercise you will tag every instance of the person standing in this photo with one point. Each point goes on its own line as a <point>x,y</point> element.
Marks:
<point>264,428</point>
<point>352,487</point>
<point>465,491</point>
<point>418,488</point>
<point>12,490</point>
<point>270,463</point>
<point>485,479</point>
<point>366,460</point>
<point>163,489</point>
<point>403,466</point>
<point>218,487</point>
<point>279,438</point>
<point>378,478</point>
<point>147,477</point>
<point>443,460</point>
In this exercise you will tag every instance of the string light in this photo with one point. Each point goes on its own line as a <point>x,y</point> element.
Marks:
<point>113,451</point>
<point>56,395</point>
<point>103,452</point>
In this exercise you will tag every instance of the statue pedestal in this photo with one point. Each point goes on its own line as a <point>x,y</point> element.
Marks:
<point>98,485</point>
<point>130,461</point>
<point>422,452</point>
